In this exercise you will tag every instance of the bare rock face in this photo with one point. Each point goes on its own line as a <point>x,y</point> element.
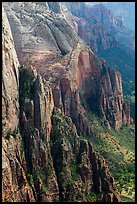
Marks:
<point>102,181</point>
<point>78,9</point>
<point>15,187</point>
<point>14,182</point>
<point>43,106</point>
<point>36,95</point>
<point>67,15</point>
<point>31,23</point>
<point>92,25</point>
<point>111,100</point>
<point>89,28</point>
<point>36,130</point>
<point>114,25</point>
<point>98,38</point>
<point>98,27</point>
<point>70,66</point>
<point>80,170</point>
<point>54,6</point>
<point>114,104</point>
<point>126,114</point>
<point>96,84</point>
<point>104,15</point>
<point>10,81</point>
<point>40,167</point>
<point>25,158</point>
<point>43,159</point>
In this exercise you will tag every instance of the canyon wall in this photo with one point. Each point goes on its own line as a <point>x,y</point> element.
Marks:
<point>43,112</point>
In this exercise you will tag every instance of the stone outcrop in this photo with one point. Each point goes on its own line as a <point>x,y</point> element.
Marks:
<point>43,158</point>
<point>98,27</point>
<point>94,81</point>
<point>15,187</point>
<point>25,158</point>
<point>95,35</point>
<point>43,111</point>
<point>70,66</point>
<point>37,98</point>
<point>80,170</point>
<point>34,49</point>
<point>89,27</point>
<point>111,100</point>
<point>14,182</point>
<point>10,82</point>
<point>106,35</point>
<point>114,25</point>
<point>54,6</point>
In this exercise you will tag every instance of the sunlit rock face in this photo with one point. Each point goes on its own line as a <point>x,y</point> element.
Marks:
<point>46,92</point>
<point>63,59</point>
<point>10,80</point>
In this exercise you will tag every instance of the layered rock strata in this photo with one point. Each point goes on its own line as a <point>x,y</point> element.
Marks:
<point>43,157</point>
<point>69,65</point>
<point>10,105</point>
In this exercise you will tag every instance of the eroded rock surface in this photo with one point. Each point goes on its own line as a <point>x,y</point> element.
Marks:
<point>80,170</point>
<point>10,82</point>
<point>43,157</point>
<point>69,65</point>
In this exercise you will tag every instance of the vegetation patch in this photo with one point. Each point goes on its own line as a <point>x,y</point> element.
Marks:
<point>118,149</point>
<point>27,85</point>
<point>74,172</point>
<point>93,197</point>
<point>11,133</point>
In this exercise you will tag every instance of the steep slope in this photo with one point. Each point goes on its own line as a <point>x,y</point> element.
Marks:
<point>82,173</point>
<point>10,70</point>
<point>118,149</point>
<point>124,9</point>
<point>99,22</point>
<point>108,37</point>
<point>14,184</point>
<point>119,153</point>
<point>66,62</point>
<point>114,25</point>
<point>27,161</point>
<point>43,156</point>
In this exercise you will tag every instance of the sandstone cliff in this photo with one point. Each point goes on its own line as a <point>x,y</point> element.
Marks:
<point>80,170</point>
<point>70,66</point>
<point>89,27</point>
<point>14,185</point>
<point>10,105</point>
<point>99,22</point>
<point>43,157</point>
<point>106,35</point>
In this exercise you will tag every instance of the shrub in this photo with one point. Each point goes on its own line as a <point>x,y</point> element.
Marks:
<point>8,135</point>
<point>42,136</point>
<point>31,129</point>
<point>131,168</point>
<point>91,197</point>
<point>11,133</point>
<point>27,85</point>
<point>44,188</point>
<point>74,172</point>
<point>69,181</point>
<point>30,178</point>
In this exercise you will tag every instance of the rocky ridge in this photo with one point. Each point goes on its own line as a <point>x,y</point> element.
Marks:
<point>31,145</point>
<point>107,36</point>
<point>69,65</point>
<point>99,27</point>
<point>10,106</point>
